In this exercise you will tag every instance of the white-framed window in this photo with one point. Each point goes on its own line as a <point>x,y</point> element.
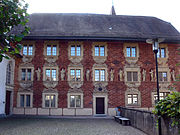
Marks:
<point>25,100</point>
<point>162,95</point>
<point>131,52</point>
<point>9,73</point>
<point>99,50</point>
<point>51,74</point>
<point>27,50</point>
<point>132,76</point>
<point>162,76</point>
<point>51,50</point>
<point>26,74</point>
<point>50,100</point>
<point>161,53</point>
<point>75,50</point>
<point>75,101</point>
<point>99,75</point>
<point>132,99</point>
<point>75,74</point>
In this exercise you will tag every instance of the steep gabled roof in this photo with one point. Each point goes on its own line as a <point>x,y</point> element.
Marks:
<point>66,25</point>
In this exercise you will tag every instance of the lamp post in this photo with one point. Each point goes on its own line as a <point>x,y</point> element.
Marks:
<point>155,50</point>
<point>155,46</point>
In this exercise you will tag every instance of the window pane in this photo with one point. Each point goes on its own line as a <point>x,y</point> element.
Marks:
<point>72,74</point>
<point>21,100</point>
<point>48,50</point>
<point>54,50</point>
<point>129,99</point>
<point>133,51</point>
<point>53,101</point>
<point>48,74</point>
<point>128,51</point>
<point>29,74</point>
<point>135,99</point>
<point>27,100</point>
<point>96,50</point>
<point>73,53</point>
<point>78,101</point>
<point>25,50</point>
<point>72,101</point>
<point>164,75</point>
<point>163,55</point>
<point>102,51</point>
<point>8,74</point>
<point>47,100</point>
<point>160,76</point>
<point>78,50</point>
<point>135,76</point>
<point>54,74</point>
<point>78,75</point>
<point>30,50</point>
<point>23,74</point>
<point>96,75</point>
<point>129,78</point>
<point>102,75</point>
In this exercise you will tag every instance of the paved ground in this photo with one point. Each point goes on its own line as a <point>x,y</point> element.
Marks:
<point>64,126</point>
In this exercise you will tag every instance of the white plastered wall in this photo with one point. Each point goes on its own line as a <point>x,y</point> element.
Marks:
<point>3,66</point>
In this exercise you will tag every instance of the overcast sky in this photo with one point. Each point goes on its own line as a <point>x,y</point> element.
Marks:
<point>168,10</point>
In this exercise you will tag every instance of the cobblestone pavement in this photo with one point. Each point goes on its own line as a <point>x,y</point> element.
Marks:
<point>64,126</point>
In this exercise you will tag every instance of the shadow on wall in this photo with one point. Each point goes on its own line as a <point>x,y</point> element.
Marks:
<point>146,122</point>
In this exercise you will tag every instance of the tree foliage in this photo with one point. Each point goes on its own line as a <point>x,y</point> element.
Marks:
<point>12,13</point>
<point>170,107</point>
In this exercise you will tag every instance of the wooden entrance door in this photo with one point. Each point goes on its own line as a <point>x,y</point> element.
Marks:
<point>99,105</point>
<point>8,102</point>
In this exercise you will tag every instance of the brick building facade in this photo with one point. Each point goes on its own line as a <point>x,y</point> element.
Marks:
<point>90,66</point>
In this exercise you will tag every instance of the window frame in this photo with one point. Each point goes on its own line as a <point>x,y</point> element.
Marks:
<point>50,68</point>
<point>51,50</point>
<point>9,73</point>
<point>75,68</point>
<point>51,44</point>
<point>99,51</point>
<point>133,91</point>
<point>131,51</point>
<point>75,55</point>
<point>131,60</point>
<point>26,74</point>
<point>44,94</point>
<point>28,49</point>
<point>75,101</point>
<point>162,79</point>
<point>154,92</point>
<point>132,99</point>
<point>25,94</point>
<point>100,79</point>
<point>75,94</point>
<point>75,75</point>
<point>159,54</point>
<point>132,76</point>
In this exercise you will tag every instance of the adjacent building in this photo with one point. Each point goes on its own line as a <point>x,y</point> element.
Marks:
<point>6,86</point>
<point>88,64</point>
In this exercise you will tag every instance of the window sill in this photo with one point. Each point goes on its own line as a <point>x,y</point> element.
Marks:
<point>133,105</point>
<point>75,107</point>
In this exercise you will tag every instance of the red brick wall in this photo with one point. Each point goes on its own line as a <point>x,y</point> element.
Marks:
<point>115,61</point>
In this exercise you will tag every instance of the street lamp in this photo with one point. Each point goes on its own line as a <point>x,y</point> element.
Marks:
<point>155,46</point>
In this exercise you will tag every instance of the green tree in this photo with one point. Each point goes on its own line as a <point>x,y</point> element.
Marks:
<point>170,107</point>
<point>12,13</point>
